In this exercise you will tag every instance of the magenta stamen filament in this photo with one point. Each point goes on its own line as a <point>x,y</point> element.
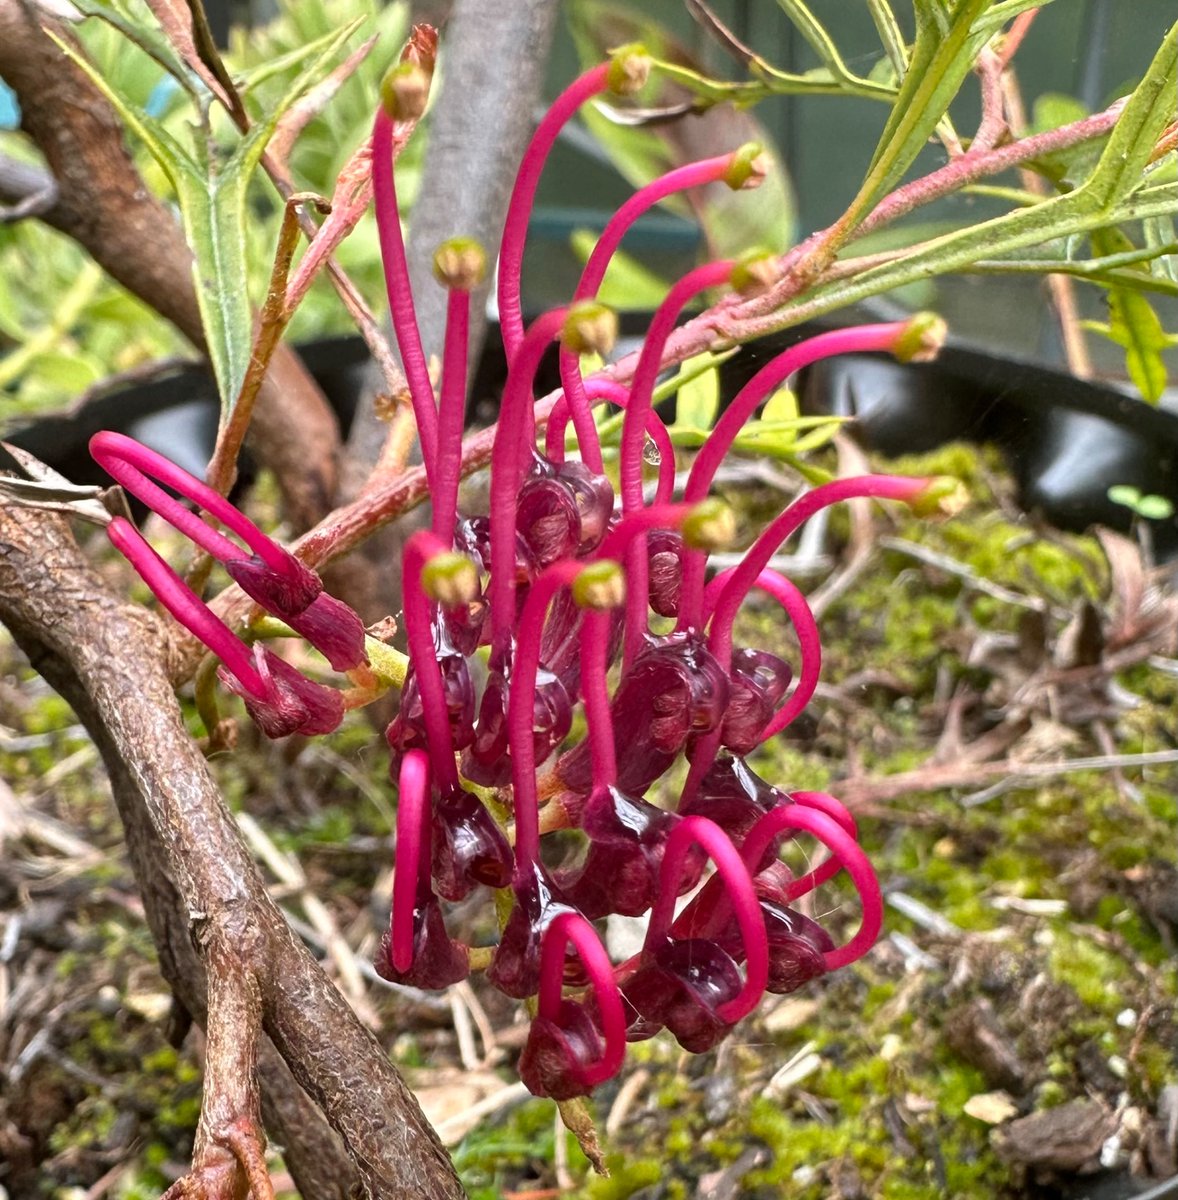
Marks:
<point>134,466</point>
<point>175,595</point>
<point>521,712</point>
<point>401,307</point>
<point>451,413</point>
<point>606,389</point>
<point>690,175</point>
<point>845,850</point>
<point>634,426</point>
<point>797,608</point>
<point>514,444</point>
<point>571,927</point>
<point>418,612</point>
<point>839,813</point>
<point>595,626</point>
<point>734,875</point>
<point>412,860</point>
<point>883,487</point>
<point>519,209</point>
<point>857,340</point>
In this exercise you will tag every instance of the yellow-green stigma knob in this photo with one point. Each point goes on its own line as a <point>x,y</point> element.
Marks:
<point>451,579</point>
<point>590,328</point>
<point>460,263</point>
<point>600,585</point>
<point>710,525</point>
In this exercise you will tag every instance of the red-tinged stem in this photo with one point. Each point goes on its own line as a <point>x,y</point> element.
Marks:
<point>699,831</point>
<point>597,389</point>
<point>595,626</point>
<point>858,340</point>
<point>514,443</point>
<point>521,711</point>
<point>634,426</point>
<point>175,595</point>
<point>845,850</point>
<point>401,307</point>
<point>451,413</point>
<point>690,175</point>
<point>883,487</point>
<point>412,854</point>
<point>571,927</point>
<point>418,612</point>
<point>134,466</point>
<point>519,209</point>
<point>797,608</point>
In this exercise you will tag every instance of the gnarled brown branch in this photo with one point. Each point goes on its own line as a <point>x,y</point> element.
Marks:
<point>103,655</point>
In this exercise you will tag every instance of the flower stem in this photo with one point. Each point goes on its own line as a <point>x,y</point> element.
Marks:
<point>412,854</point>
<point>571,927</point>
<point>521,710</point>
<point>514,443</point>
<point>856,340</point>
<point>418,612</point>
<point>451,413</point>
<point>797,608</point>
<point>845,850</point>
<point>884,487</point>
<point>185,605</point>
<point>734,874</point>
<point>401,307</point>
<point>519,209</point>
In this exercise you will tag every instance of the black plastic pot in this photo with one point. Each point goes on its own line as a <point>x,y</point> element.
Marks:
<point>1067,440</point>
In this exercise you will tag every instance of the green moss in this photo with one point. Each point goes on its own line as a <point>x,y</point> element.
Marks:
<point>625,1178</point>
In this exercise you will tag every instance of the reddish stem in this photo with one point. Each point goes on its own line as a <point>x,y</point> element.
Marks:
<point>451,413</point>
<point>857,340</point>
<point>418,613</point>
<point>519,209</point>
<point>401,307</point>
<point>699,831</point>
<point>571,927</point>
<point>412,854</point>
<point>514,443</point>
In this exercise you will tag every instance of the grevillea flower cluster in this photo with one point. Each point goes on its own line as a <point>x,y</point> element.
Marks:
<point>569,594</point>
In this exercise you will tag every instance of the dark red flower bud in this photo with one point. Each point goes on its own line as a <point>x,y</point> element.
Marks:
<point>758,682</point>
<point>292,704</point>
<point>281,593</point>
<point>334,629</point>
<point>438,961</point>
<point>468,847</point>
<point>515,969</point>
<point>665,549</point>
<point>557,1052</point>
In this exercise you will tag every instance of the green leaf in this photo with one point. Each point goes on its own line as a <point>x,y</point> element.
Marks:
<point>1155,508</point>
<point>942,56</point>
<point>1124,494</point>
<point>628,286</point>
<point>699,400</point>
<point>211,192</point>
<point>1003,12</point>
<point>1133,324</point>
<point>781,406</point>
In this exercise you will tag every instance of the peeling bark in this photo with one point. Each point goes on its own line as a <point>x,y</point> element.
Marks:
<point>198,880</point>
